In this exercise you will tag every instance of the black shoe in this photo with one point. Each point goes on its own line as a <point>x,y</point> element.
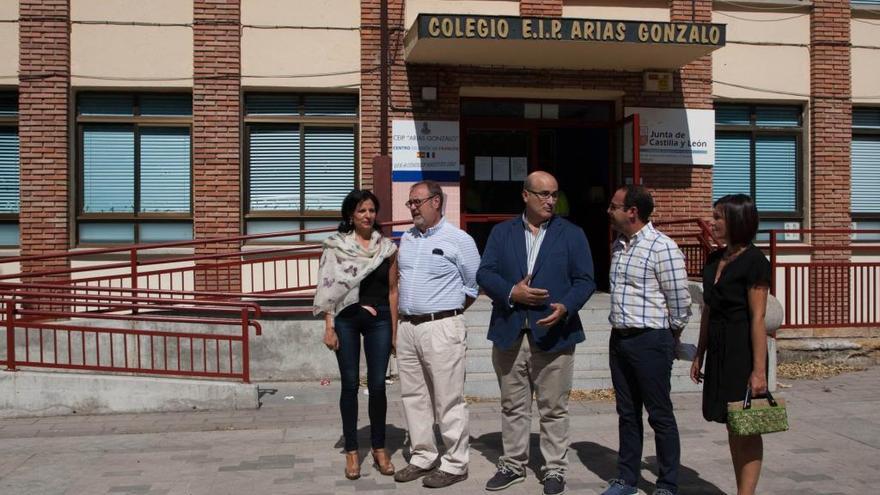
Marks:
<point>442,479</point>
<point>554,484</point>
<point>412,472</point>
<point>503,478</point>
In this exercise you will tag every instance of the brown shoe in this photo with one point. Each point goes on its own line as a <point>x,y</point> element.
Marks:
<point>382,462</point>
<point>352,465</point>
<point>412,472</point>
<point>442,479</point>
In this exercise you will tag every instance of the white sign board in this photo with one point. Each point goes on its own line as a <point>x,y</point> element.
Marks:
<point>428,149</point>
<point>675,135</point>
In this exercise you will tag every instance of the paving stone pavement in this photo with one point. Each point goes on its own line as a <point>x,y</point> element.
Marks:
<point>293,446</point>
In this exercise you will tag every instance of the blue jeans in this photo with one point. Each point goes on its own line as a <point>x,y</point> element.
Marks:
<point>641,368</point>
<point>352,323</point>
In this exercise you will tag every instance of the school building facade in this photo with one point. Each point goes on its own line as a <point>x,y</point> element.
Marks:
<point>124,121</point>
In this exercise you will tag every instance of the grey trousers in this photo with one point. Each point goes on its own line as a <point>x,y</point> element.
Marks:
<point>431,362</point>
<point>522,369</point>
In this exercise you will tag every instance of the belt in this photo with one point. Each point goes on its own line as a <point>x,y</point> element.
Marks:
<point>419,319</point>
<point>630,331</point>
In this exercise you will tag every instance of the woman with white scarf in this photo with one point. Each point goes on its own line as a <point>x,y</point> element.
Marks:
<point>357,293</point>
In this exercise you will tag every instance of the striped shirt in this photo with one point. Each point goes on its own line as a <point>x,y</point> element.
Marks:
<point>533,243</point>
<point>649,286</point>
<point>438,269</point>
<point>533,247</point>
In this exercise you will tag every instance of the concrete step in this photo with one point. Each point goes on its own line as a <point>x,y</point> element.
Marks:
<point>586,358</point>
<point>591,357</point>
<point>485,385</point>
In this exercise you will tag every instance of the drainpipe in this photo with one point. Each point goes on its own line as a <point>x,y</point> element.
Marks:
<point>382,162</point>
<point>383,77</point>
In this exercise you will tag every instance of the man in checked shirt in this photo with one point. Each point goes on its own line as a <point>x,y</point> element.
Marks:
<point>650,306</point>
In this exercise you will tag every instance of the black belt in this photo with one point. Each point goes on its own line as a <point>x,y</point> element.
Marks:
<point>630,331</point>
<point>419,319</point>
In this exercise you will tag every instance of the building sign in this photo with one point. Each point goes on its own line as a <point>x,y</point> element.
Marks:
<point>541,28</point>
<point>425,149</point>
<point>675,135</point>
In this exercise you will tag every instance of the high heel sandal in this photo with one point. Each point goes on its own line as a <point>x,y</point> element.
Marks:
<point>352,465</point>
<point>382,462</point>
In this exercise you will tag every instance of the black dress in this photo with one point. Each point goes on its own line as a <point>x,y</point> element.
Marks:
<point>729,349</point>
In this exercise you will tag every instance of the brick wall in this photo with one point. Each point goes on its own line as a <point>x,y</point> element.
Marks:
<point>216,133</point>
<point>830,136</point>
<point>540,8</point>
<point>830,115</point>
<point>684,190</point>
<point>44,68</point>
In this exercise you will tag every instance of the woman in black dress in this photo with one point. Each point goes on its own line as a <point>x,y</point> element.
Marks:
<point>733,337</point>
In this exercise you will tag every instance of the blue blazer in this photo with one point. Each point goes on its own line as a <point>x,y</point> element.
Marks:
<point>564,267</point>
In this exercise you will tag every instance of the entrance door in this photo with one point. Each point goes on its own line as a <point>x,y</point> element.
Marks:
<point>627,163</point>
<point>490,193</point>
<point>580,160</point>
<point>576,145</point>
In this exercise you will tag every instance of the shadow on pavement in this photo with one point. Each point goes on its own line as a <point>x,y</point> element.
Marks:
<point>602,461</point>
<point>489,445</point>
<point>394,439</point>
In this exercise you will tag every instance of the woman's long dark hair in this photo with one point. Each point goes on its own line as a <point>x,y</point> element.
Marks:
<point>741,217</point>
<point>350,204</point>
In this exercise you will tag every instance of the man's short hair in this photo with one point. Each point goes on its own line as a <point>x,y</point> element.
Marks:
<point>740,216</point>
<point>639,197</point>
<point>434,189</point>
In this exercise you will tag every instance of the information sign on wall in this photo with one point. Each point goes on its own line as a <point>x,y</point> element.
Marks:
<point>675,135</point>
<point>425,149</point>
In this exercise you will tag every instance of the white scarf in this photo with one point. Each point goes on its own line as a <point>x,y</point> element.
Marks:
<point>344,264</point>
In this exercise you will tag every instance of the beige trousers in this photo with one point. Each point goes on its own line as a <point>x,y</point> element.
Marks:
<point>431,363</point>
<point>522,369</point>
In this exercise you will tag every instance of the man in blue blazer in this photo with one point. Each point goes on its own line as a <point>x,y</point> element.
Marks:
<point>538,270</point>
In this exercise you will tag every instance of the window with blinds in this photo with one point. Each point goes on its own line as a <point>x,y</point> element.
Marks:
<point>757,153</point>
<point>865,171</point>
<point>9,170</point>
<point>134,174</point>
<point>301,160</point>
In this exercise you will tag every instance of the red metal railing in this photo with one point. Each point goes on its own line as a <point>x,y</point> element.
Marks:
<point>128,312</point>
<point>262,265</point>
<point>695,240</point>
<point>827,294</point>
<point>124,333</point>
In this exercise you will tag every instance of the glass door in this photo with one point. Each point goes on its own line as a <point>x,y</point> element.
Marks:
<point>496,163</point>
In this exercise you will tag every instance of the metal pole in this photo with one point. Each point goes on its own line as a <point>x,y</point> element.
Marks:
<point>134,275</point>
<point>245,348</point>
<point>773,263</point>
<point>10,335</point>
<point>637,168</point>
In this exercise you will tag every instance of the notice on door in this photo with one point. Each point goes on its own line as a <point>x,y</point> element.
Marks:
<point>519,168</point>
<point>425,149</point>
<point>500,168</point>
<point>483,168</point>
<point>674,135</point>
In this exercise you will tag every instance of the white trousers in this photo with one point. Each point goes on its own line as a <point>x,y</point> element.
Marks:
<point>431,363</point>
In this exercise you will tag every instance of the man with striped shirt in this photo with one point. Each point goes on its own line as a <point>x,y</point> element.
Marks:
<point>650,306</point>
<point>438,265</point>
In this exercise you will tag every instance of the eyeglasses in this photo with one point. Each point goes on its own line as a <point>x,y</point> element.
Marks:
<point>417,203</point>
<point>614,206</point>
<point>545,195</point>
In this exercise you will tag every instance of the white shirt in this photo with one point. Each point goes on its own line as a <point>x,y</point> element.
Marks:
<point>438,269</point>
